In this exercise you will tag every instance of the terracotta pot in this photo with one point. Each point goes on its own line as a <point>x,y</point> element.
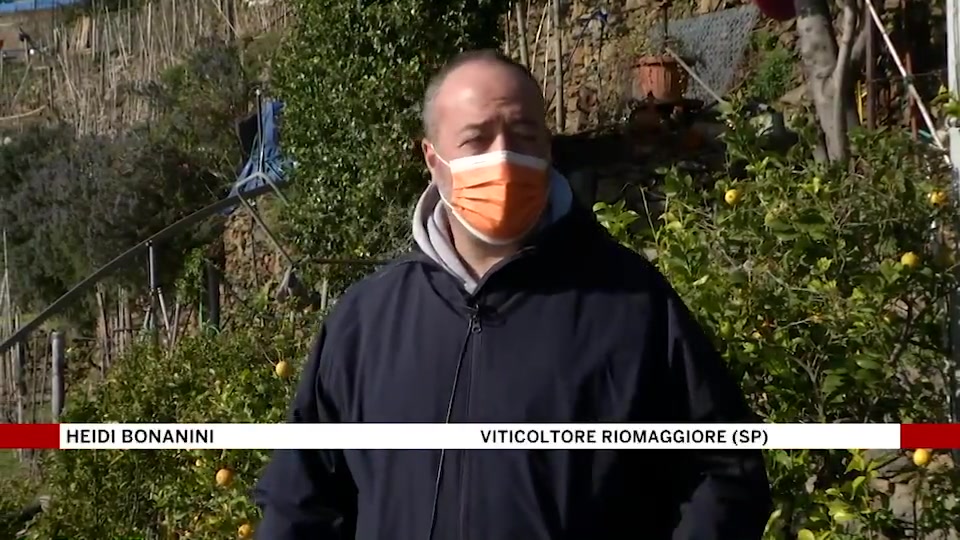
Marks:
<point>660,77</point>
<point>778,10</point>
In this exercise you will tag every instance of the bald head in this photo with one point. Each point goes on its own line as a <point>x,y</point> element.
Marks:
<point>482,102</point>
<point>479,61</point>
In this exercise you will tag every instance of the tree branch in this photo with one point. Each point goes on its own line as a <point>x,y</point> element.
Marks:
<point>842,70</point>
<point>857,54</point>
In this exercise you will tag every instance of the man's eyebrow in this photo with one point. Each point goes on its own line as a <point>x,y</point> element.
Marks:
<point>520,121</point>
<point>476,126</point>
<point>523,121</point>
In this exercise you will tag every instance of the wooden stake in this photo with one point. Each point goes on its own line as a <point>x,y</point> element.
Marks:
<point>558,67</point>
<point>520,10</point>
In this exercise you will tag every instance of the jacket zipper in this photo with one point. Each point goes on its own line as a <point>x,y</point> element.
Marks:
<point>476,327</point>
<point>472,329</point>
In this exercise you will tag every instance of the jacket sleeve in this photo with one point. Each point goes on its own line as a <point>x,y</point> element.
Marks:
<point>724,494</point>
<point>308,494</point>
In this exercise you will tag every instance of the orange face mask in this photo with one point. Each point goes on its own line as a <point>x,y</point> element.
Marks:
<point>498,197</point>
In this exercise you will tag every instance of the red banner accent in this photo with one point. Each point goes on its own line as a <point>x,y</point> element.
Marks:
<point>934,436</point>
<point>30,436</point>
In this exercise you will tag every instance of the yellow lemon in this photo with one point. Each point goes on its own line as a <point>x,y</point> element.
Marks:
<point>910,260</point>
<point>732,197</point>
<point>938,198</point>
<point>726,329</point>
<point>245,531</point>
<point>921,457</point>
<point>224,477</point>
<point>283,369</point>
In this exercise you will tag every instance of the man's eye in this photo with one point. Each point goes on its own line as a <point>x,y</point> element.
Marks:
<point>526,134</point>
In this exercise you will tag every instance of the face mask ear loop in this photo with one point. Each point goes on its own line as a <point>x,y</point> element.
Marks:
<point>445,162</point>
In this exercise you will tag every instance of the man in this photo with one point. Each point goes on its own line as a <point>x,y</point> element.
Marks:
<point>518,307</point>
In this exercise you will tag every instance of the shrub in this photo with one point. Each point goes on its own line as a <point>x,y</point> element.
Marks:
<point>208,378</point>
<point>802,274</point>
<point>352,76</point>
<point>773,73</point>
<point>18,488</point>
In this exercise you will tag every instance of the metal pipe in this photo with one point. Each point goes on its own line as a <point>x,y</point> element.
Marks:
<point>57,392</point>
<point>694,76</point>
<point>151,267</point>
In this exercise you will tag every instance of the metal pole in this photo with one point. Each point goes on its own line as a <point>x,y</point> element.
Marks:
<point>260,141</point>
<point>152,280</point>
<point>57,371</point>
<point>20,378</point>
<point>953,72</point>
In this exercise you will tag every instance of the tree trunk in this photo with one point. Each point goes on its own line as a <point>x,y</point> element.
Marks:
<point>828,68</point>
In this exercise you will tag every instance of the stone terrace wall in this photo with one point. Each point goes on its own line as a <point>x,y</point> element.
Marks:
<point>598,57</point>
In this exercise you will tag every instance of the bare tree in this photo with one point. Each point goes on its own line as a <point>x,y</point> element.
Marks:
<point>831,64</point>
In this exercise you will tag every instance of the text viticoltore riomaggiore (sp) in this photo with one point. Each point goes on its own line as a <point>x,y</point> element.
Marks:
<point>717,436</point>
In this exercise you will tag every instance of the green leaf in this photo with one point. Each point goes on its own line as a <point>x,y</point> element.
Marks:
<point>867,363</point>
<point>831,383</point>
<point>857,482</point>
<point>843,516</point>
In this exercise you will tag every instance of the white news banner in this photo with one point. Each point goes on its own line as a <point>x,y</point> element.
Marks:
<point>400,436</point>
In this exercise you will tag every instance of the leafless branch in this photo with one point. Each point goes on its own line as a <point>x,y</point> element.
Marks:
<point>842,70</point>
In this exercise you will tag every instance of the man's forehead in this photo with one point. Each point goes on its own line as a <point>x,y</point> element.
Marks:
<point>480,85</point>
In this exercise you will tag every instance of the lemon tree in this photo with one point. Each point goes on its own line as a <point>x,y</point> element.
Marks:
<point>825,290</point>
<point>227,377</point>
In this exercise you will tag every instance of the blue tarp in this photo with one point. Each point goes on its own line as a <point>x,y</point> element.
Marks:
<point>265,155</point>
<point>34,5</point>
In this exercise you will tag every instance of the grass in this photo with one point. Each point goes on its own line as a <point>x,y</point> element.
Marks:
<point>9,464</point>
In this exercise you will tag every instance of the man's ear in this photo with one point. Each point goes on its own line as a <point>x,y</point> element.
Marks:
<point>429,155</point>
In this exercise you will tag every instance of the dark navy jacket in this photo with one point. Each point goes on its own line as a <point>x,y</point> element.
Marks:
<point>575,328</point>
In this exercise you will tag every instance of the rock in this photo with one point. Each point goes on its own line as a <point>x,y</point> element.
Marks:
<point>707,6</point>
<point>794,97</point>
<point>881,485</point>
<point>901,502</point>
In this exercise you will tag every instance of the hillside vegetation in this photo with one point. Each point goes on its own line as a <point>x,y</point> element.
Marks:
<point>820,284</point>
<point>70,203</point>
